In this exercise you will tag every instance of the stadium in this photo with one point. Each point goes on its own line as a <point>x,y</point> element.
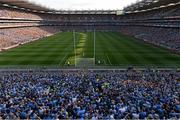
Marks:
<point>90,64</point>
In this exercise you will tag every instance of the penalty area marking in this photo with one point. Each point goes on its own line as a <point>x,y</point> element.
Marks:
<point>105,62</point>
<point>102,61</point>
<point>64,58</point>
<point>108,59</point>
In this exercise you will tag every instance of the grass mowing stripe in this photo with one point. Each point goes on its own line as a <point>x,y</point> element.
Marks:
<point>68,50</point>
<point>89,46</point>
<point>152,51</point>
<point>27,59</point>
<point>81,39</point>
<point>119,47</point>
<point>111,48</point>
<point>107,46</point>
<point>54,49</point>
<point>99,51</point>
<point>44,56</point>
<point>159,60</point>
<point>132,49</point>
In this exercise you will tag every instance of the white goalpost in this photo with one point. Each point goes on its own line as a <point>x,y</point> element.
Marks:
<point>74,36</point>
<point>94,43</point>
<point>81,61</point>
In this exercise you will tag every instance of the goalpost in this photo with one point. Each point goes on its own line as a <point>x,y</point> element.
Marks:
<point>83,61</point>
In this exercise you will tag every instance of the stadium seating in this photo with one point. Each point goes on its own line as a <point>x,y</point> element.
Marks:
<point>13,36</point>
<point>145,25</point>
<point>7,12</point>
<point>165,37</point>
<point>69,94</point>
<point>90,94</point>
<point>17,27</point>
<point>159,26</point>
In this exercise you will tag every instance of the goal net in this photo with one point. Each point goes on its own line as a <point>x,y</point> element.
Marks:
<point>85,62</point>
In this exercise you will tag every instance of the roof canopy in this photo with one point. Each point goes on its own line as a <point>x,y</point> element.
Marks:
<point>25,5</point>
<point>150,4</point>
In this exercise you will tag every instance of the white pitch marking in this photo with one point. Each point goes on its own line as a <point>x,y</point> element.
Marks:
<point>108,59</point>
<point>104,62</point>
<point>65,55</point>
<point>64,58</point>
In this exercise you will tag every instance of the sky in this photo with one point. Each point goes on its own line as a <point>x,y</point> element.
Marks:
<point>84,4</point>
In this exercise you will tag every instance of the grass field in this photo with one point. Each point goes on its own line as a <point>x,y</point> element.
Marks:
<point>112,49</point>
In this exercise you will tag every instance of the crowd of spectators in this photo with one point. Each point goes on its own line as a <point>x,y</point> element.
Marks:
<point>164,12</point>
<point>15,25</point>
<point>7,12</point>
<point>8,24</point>
<point>18,26</point>
<point>165,37</point>
<point>13,36</point>
<point>92,94</point>
<point>159,26</point>
<point>155,26</point>
<point>12,13</point>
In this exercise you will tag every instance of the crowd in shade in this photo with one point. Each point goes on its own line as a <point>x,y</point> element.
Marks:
<point>159,27</point>
<point>165,37</point>
<point>78,94</point>
<point>163,12</point>
<point>7,12</point>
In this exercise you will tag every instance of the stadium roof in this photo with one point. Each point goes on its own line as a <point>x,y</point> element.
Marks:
<point>23,5</point>
<point>28,6</point>
<point>144,5</point>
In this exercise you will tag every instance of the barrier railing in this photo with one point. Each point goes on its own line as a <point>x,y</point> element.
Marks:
<point>158,67</point>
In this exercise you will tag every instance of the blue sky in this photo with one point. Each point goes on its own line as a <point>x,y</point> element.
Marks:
<point>84,4</point>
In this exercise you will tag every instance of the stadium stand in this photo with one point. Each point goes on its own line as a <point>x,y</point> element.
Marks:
<point>145,5</point>
<point>14,19</point>
<point>98,94</point>
<point>17,36</point>
<point>7,12</point>
<point>143,20</point>
<point>159,26</point>
<point>18,27</point>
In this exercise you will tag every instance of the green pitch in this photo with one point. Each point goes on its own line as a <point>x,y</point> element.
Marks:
<point>112,49</point>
